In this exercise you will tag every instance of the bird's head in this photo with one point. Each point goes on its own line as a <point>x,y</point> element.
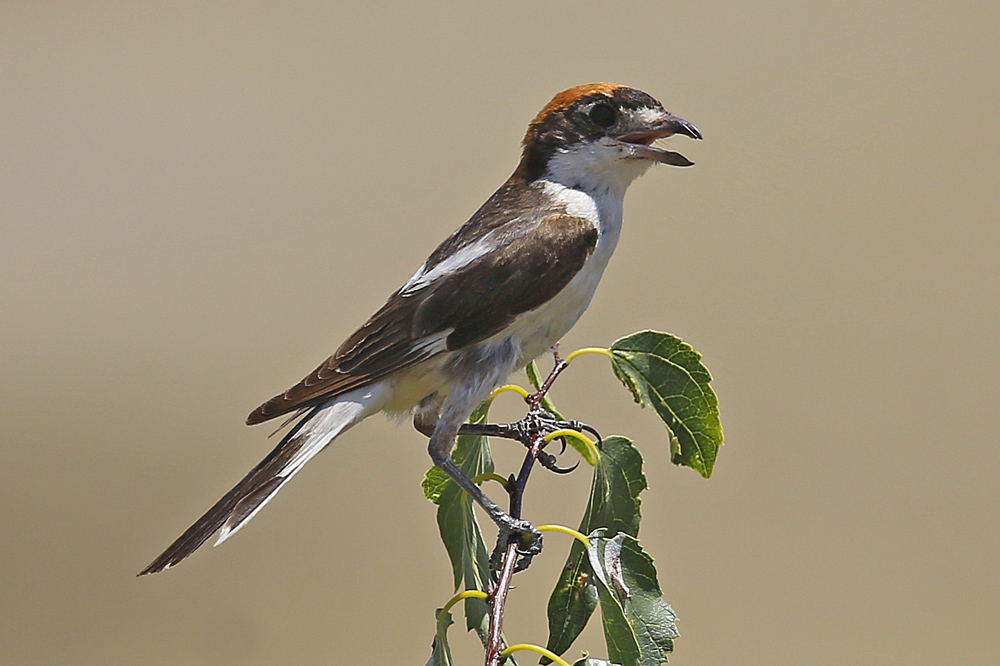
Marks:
<point>599,136</point>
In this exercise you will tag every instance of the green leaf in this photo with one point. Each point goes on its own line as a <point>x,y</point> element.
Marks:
<point>457,524</point>
<point>614,494</point>
<point>614,505</point>
<point>666,374</point>
<point>622,642</point>
<point>571,603</point>
<point>434,483</point>
<point>651,617</point>
<point>629,592</point>
<point>440,652</point>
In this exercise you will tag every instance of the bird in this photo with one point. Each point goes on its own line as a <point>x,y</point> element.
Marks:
<point>494,295</point>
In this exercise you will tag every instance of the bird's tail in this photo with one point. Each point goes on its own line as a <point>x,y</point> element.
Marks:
<point>308,437</point>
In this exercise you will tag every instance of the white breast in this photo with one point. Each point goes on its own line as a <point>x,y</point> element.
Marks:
<point>536,331</point>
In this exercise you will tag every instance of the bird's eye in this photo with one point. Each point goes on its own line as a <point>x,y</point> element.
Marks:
<point>603,115</point>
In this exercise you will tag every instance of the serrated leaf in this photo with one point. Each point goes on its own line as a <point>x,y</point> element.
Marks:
<point>627,588</point>
<point>434,484</point>
<point>440,652</point>
<point>666,374</point>
<point>614,505</point>
<point>622,642</point>
<point>614,494</point>
<point>651,617</point>
<point>457,524</point>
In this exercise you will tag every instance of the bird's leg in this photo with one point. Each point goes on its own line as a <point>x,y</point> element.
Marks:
<point>439,447</point>
<point>538,420</point>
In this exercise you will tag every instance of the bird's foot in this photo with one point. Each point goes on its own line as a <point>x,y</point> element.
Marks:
<point>535,422</point>
<point>528,542</point>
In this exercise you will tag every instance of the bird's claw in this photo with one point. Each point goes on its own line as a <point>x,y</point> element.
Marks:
<point>541,421</point>
<point>528,539</point>
<point>580,426</point>
<point>535,422</point>
<point>528,542</point>
<point>548,461</point>
<point>544,421</point>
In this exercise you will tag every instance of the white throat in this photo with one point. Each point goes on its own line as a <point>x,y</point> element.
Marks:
<point>602,167</point>
<point>590,180</point>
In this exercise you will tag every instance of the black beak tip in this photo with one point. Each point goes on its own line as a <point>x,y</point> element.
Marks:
<point>674,159</point>
<point>688,129</point>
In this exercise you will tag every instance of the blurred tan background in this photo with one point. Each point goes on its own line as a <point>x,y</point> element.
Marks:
<point>199,201</point>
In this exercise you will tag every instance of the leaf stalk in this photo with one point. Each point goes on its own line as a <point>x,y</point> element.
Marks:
<point>579,536</point>
<point>534,648</point>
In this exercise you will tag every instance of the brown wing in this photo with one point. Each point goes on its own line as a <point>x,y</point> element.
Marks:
<point>484,297</point>
<point>532,260</point>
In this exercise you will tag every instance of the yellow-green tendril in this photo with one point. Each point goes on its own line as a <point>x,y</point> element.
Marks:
<point>490,476</point>
<point>589,350</point>
<point>441,628</point>
<point>579,536</point>
<point>468,594</point>
<point>510,387</point>
<point>583,444</point>
<point>534,648</point>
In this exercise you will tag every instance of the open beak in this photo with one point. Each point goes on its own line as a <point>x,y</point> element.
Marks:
<point>640,141</point>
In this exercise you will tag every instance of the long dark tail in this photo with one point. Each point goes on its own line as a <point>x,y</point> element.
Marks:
<point>307,438</point>
<point>259,478</point>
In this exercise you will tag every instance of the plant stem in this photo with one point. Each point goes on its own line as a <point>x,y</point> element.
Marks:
<point>535,399</point>
<point>515,488</point>
<point>496,602</point>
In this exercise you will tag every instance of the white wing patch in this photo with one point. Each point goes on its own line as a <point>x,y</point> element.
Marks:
<point>463,257</point>
<point>432,344</point>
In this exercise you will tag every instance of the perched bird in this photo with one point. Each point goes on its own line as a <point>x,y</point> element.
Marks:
<point>497,293</point>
